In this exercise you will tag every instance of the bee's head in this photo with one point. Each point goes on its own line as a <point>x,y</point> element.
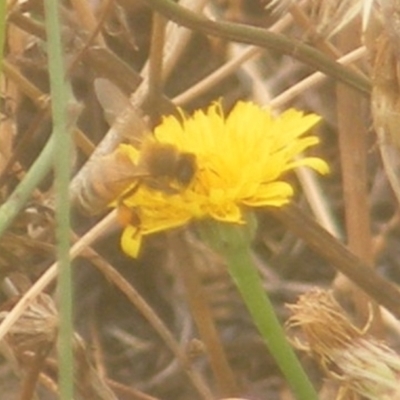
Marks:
<point>185,168</point>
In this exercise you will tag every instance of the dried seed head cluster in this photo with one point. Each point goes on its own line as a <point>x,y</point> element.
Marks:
<point>360,363</point>
<point>37,327</point>
<point>328,16</point>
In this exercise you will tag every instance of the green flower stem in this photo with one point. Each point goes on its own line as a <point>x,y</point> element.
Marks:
<point>3,7</point>
<point>232,242</point>
<point>61,94</point>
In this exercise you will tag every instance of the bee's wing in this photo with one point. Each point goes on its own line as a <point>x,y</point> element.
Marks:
<point>121,167</point>
<point>105,175</point>
<point>113,101</point>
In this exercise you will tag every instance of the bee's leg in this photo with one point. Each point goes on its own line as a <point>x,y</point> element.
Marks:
<point>125,214</point>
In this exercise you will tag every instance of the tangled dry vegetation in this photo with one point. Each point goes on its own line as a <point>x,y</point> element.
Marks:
<point>135,333</point>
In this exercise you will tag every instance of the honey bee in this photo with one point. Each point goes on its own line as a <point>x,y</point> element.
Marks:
<point>161,166</point>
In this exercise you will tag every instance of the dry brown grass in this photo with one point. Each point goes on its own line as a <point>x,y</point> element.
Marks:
<point>135,333</point>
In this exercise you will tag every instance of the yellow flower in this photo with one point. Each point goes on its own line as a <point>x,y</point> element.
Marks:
<point>240,159</point>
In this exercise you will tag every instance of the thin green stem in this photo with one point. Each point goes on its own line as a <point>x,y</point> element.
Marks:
<point>60,94</point>
<point>232,242</point>
<point>36,173</point>
<point>10,209</point>
<point>3,7</point>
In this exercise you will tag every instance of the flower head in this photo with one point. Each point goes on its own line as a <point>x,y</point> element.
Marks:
<point>359,363</point>
<point>241,159</point>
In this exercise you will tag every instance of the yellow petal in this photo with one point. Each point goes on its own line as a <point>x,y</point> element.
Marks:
<point>131,241</point>
<point>315,163</point>
<point>230,213</point>
<point>274,194</point>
